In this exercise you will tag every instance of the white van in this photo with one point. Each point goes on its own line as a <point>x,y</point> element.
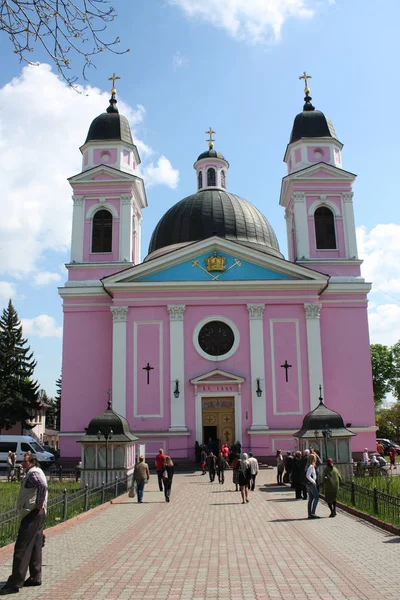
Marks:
<point>20,445</point>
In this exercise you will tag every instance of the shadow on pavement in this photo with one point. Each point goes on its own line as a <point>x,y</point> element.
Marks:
<point>393,541</point>
<point>226,503</point>
<point>288,520</point>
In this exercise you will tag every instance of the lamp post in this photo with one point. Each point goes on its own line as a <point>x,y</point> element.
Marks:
<point>106,433</point>
<point>326,434</point>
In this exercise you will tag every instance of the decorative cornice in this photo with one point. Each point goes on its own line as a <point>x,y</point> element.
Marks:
<point>322,197</point>
<point>299,197</point>
<point>176,311</point>
<point>313,311</point>
<point>256,311</point>
<point>78,200</point>
<point>119,313</point>
<point>126,198</point>
<point>347,196</point>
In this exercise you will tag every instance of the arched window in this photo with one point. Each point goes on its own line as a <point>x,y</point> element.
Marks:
<point>200,179</point>
<point>325,229</point>
<point>102,232</point>
<point>211,177</point>
<point>223,181</point>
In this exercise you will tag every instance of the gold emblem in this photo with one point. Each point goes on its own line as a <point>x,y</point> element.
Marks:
<point>215,262</point>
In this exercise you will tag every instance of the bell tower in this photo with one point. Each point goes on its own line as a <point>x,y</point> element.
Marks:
<point>108,198</point>
<point>317,196</point>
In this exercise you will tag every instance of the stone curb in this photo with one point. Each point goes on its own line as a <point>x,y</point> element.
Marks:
<point>373,520</point>
<point>9,549</point>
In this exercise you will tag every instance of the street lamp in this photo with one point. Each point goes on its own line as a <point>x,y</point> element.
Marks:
<point>258,389</point>
<point>107,434</point>
<point>326,434</point>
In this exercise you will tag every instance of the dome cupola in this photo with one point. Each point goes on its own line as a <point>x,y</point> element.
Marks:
<point>212,211</point>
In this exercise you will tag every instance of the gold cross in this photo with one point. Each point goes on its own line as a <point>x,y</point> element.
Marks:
<point>305,77</point>
<point>113,79</point>
<point>210,140</point>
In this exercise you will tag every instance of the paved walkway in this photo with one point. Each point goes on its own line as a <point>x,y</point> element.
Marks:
<point>206,545</point>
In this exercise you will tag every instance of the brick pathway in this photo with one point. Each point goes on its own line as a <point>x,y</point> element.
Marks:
<point>206,545</point>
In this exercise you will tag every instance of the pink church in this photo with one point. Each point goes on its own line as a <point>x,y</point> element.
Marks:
<point>215,334</point>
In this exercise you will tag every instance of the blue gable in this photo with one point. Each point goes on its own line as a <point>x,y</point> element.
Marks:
<point>196,270</point>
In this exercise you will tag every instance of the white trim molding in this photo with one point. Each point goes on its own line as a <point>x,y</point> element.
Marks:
<point>323,202</point>
<point>257,367</point>
<point>177,365</point>
<point>314,350</point>
<point>301,225</point>
<point>349,225</point>
<point>78,228</point>
<point>237,402</point>
<point>99,206</point>
<point>119,316</point>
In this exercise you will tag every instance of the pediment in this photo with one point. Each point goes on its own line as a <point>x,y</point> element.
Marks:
<point>237,264</point>
<point>101,173</point>
<point>321,170</point>
<point>217,376</point>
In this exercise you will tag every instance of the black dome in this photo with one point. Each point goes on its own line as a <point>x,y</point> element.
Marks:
<point>110,126</point>
<point>311,123</point>
<point>321,418</point>
<point>214,212</point>
<point>211,154</point>
<point>109,419</point>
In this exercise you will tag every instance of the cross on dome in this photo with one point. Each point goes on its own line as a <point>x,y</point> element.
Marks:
<point>113,79</point>
<point>210,140</point>
<point>305,77</point>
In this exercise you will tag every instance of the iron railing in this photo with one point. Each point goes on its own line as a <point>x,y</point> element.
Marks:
<point>371,501</point>
<point>65,505</point>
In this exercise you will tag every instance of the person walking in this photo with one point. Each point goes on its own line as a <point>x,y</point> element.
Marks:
<point>211,464</point>
<point>244,478</point>
<point>236,469</point>
<point>168,474</point>
<point>331,479</point>
<point>11,463</point>
<point>312,487</point>
<point>253,470</point>
<point>221,462</point>
<point>380,448</point>
<point>141,475</point>
<point>296,475</point>
<point>203,461</point>
<point>160,460</point>
<point>280,466</point>
<point>392,456</point>
<point>31,502</point>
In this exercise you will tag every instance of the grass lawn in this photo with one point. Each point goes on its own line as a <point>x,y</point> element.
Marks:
<point>388,485</point>
<point>9,491</point>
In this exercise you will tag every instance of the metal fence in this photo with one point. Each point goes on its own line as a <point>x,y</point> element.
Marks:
<point>371,501</point>
<point>64,506</point>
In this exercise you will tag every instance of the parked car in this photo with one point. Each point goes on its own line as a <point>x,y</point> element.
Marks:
<point>387,444</point>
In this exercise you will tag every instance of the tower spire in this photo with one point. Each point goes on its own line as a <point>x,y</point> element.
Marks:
<point>307,99</point>
<point>113,101</point>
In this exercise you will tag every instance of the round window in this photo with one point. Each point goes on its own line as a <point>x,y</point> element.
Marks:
<point>216,338</point>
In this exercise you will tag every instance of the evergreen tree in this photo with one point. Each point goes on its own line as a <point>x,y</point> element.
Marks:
<point>18,391</point>
<point>57,401</point>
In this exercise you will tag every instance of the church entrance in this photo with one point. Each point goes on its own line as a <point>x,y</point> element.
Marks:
<point>218,416</point>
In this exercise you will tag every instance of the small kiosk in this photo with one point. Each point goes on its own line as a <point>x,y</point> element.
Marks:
<point>108,449</point>
<point>324,430</point>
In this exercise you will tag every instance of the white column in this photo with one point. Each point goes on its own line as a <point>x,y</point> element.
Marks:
<point>349,224</point>
<point>314,348</point>
<point>288,219</point>
<point>120,315</point>
<point>257,367</point>
<point>78,224</point>
<point>301,225</point>
<point>125,228</point>
<point>177,366</point>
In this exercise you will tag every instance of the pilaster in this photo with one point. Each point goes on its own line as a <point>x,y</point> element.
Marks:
<point>119,316</point>
<point>257,367</point>
<point>301,226</point>
<point>349,224</point>
<point>177,366</point>
<point>125,242</point>
<point>78,224</point>
<point>314,349</point>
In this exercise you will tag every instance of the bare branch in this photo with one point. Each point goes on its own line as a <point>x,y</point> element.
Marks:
<point>63,28</point>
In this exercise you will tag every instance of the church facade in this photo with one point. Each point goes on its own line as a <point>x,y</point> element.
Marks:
<point>215,334</point>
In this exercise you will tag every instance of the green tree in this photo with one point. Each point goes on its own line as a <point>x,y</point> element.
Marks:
<point>388,422</point>
<point>64,29</point>
<point>383,372</point>
<point>18,391</point>
<point>53,410</point>
<point>395,381</point>
<point>57,401</point>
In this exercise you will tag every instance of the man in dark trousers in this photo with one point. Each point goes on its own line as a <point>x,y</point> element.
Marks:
<point>160,460</point>
<point>32,501</point>
<point>211,464</point>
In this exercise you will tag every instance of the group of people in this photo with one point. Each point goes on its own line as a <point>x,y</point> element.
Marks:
<point>377,461</point>
<point>302,471</point>
<point>165,473</point>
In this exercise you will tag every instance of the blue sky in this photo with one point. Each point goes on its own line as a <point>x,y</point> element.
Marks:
<point>192,64</point>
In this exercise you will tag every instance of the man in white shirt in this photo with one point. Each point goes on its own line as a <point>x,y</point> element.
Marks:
<point>253,470</point>
<point>365,456</point>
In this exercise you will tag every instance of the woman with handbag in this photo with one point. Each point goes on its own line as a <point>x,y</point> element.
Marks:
<point>235,468</point>
<point>244,477</point>
<point>167,476</point>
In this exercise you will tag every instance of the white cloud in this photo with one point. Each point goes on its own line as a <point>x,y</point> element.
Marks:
<point>7,290</point>
<point>179,61</point>
<point>162,174</point>
<point>42,124</point>
<point>380,250</point>
<point>384,324</point>
<point>251,20</point>
<point>41,326</point>
<point>46,277</point>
